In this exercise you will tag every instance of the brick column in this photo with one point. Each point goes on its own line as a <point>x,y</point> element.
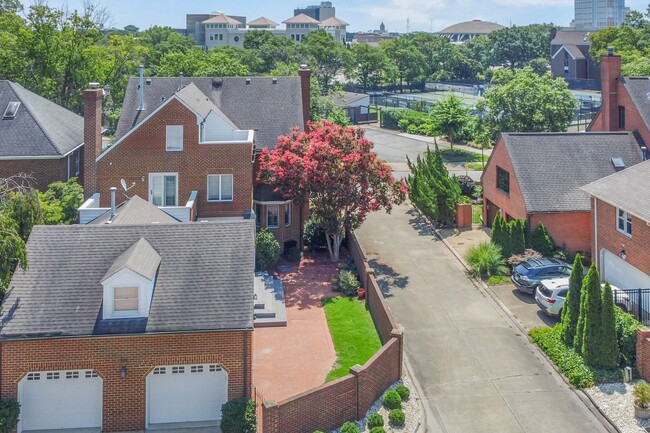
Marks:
<point>399,334</point>
<point>643,352</point>
<point>270,417</point>
<point>92,138</point>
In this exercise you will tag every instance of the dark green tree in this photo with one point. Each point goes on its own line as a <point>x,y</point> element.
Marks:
<point>160,41</point>
<point>24,209</point>
<point>608,347</point>
<point>10,6</point>
<point>589,322</point>
<point>408,60</point>
<point>542,242</point>
<point>61,201</point>
<point>369,65</point>
<point>500,235</point>
<point>516,46</point>
<point>326,57</point>
<point>571,309</point>
<point>517,236</point>
<point>450,116</point>
<point>431,189</point>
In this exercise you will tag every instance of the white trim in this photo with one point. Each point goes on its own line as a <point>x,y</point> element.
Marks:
<point>277,226</point>
<point>627,217</point>
<point>163,199</point>
<point>565,49</point>
<point>266,203</point>
<point>287,207</point>
<point>169,135</point>
<point>10,158</point>
<point>220,200</point>
<point>595,254</point>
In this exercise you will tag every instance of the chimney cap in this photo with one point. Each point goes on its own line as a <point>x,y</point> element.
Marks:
<point>303,66</point>
<point>610,51</point>
<point>93,85</point>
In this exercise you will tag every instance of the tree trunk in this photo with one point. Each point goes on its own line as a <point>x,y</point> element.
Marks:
<point>334,245</point>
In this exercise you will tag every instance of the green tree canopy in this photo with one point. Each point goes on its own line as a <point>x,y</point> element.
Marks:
<point>450,116</point>
<point>516,46</point>
<point>326,57</point>
<point>525,102</point>
<point>369,66</point>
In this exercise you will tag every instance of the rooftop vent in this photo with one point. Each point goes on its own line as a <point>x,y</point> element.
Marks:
<point>618,164</point>
<point>275,80</point>
<point>248,80</point>
<point>148,82</point>
<point>11,110</point>
<point>610,51</point>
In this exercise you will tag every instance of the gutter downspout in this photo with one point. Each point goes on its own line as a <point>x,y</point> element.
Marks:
<point>595,255</point>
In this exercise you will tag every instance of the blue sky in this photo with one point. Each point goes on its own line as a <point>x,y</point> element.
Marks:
<point>362,15</point>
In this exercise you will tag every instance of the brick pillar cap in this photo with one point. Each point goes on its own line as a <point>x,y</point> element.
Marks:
<point>356,369</point>
<point>396,333</point>
<point>269,404</point>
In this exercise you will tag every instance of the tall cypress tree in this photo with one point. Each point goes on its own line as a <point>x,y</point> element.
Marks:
<point>542,241</point>
<point>517,236</point>
<point>608,345</point>
<point>499,234</point>
<point>571,309</point>
<point>591,311</point>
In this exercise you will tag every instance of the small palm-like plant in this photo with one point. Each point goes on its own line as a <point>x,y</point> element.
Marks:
<point>486,260</point>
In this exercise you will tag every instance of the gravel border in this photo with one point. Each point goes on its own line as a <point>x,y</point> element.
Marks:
<point>411,408</point>
<point>616,401</point>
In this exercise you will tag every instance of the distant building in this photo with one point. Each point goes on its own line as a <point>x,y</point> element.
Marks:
<point>570,58</point>
<point>318,12</point>
<point>195,29</point>
<point>461,32</point>
<point>599,14</point>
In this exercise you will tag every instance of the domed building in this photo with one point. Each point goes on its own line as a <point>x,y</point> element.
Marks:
<point>461,32</point>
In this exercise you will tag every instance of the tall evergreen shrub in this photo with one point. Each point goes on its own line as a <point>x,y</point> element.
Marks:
<point>609,353</point>
<point>542,241</point>
<point>571,309</point>
<point>590,315</point>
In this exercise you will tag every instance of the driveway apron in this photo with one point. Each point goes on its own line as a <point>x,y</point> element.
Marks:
<point>476,371</point>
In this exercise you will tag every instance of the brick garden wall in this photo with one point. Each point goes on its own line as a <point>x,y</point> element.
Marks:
<point>124,401</point>
<point>643,353</point>
<point>330,405</point>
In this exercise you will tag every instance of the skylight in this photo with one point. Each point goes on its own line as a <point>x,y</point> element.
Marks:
<point>11,110</point>
<point>618,163</point>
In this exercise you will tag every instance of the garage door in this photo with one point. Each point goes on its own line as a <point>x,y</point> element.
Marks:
<point>186,393</point>
<point>620,273</point>
<point>60,399</point>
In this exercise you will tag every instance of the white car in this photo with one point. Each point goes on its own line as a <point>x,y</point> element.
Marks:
<point>551,294</point>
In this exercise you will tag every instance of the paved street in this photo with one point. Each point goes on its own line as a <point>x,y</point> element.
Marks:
<point>476,370</point>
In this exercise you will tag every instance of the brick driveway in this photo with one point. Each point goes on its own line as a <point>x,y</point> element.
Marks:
<point>293,359</point>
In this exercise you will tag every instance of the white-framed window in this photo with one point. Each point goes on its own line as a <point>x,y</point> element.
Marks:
<point>220,187</point>
<point>163,189</point>
<point>272,216</point>
<point>287,214</point>
<point>125,299</point>
<point>624,222</point>
<point>174,138</point>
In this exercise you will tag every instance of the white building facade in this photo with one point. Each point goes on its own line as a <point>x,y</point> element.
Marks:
<point>599,14</point>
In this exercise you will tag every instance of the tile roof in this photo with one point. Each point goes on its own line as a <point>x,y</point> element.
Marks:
<point>40,128</point>
<point>550,168</point>
<point>333,21</point>
<point>221,19</point>
<point>622,190</point>
<point>204,281</point>
<point>271,109</point>
<point>639,88</point>
<point>301,19</point>
<point>135,211</point>
<point>263,21</point>
<point>140,258</point>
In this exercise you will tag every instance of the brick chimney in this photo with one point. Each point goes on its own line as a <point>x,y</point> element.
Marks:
<point>92,136</point>
<point>305,87</point>
<point>610,72</point>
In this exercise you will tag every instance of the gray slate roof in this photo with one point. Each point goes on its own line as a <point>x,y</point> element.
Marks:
<point>140,258</point>
<point>551,167</point>
<point>271,109</point>
<point>40,128</point>
<point>571,49</point>
<point>571,37</point>
<point>626,189</point>
<point>135,211</point>
<point>204,281</point>
<point>638,88</point>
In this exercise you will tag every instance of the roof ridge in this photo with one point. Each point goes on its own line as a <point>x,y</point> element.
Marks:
<point>33,115</point>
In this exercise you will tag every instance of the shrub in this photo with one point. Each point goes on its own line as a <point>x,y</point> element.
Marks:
<point>528,254</point>
<point>466,184</point>
<point>9,414</point>
<point>542,241</point>
<point>626,326</point>
<point>396,417</point>
<point>377,430</point>
<point>314,235</point>
<point>486,260</point>
<point>500,235</point>
<point>348,283</point>
<point>403,392</point>
<point>641,394</point>
<point>517,236</point>
<point>349,427</point>
<point>375,420</point>
<point>571,309</point>
<point>591,307</point>
<point>238,416</point>
<point>267,249</point>
<point>392,400</point>
<point>609,352</point>
<point>319,431</point>
<point>561,254</point>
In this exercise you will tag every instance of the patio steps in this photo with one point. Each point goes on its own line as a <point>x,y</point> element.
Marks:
<point>269,309</point>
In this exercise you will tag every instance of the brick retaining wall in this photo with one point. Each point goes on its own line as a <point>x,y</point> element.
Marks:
<point>330,405</point>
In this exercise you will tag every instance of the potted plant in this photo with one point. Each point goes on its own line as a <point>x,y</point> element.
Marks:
<point>642,400</point>
<point>361,293</point>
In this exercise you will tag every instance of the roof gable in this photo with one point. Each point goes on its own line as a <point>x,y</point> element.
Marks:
<point>140,258</point>
<point>551,168</point>
<point>135,211</point>
<point>639,90</point>
<point>333,22</point>
<point>301,19</point>
<point>263,21</point>
<point>40,128</point>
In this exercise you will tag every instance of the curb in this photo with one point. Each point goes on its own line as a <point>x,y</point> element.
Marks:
<point>584,397</point>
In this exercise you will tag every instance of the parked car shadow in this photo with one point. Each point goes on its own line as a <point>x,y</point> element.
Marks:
<point>548,320</point>
<point>387,278</point>
<point>523,297</point>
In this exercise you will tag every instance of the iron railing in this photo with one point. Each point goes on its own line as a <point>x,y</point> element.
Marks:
<point>635,302</point>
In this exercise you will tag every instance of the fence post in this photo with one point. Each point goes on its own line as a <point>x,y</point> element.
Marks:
<point>356,371</point>
<point>270,417</point>
<point>399,334</point>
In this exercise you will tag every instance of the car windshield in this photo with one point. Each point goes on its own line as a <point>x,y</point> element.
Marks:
<point>523,269</point>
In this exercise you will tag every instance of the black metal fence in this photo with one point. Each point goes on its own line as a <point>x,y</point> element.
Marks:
<point>635,302</point>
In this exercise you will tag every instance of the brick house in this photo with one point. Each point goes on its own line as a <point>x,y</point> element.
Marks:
<point>537,177</point>
<point>621,226</point>
<point>570,58</point>
<point>625,104</point>
<point>38,137</point>
<point>190,146</point>
<point>129,326</point>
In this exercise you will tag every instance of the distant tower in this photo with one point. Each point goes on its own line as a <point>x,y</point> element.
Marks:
<point>408,25</point>
<point>382,27</point>
<point>598,14</point>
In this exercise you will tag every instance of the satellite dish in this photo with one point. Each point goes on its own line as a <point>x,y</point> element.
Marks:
<point>124,187</point>
<point>123,182</point>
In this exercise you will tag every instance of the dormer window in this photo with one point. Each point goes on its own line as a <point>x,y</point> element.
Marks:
<point>129,282</point>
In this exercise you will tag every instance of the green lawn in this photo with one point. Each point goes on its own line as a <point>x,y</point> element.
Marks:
<point>457,155</point>
<point>477,213</point>
<point>353,333</point>
<point>475,166</point>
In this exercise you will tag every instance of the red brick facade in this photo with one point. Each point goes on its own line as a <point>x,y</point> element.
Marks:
<point>124,399</point>
<point>643,353</point>
<point>44,171</point>
<point>569,230</point>
<point>609,238</point>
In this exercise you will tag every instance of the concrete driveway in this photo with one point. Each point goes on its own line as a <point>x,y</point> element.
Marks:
<point>476,370</point>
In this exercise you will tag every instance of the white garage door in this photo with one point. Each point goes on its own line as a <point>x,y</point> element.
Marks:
<point>620,273</point>
<point>60,399</point>
<point>186,393</point>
